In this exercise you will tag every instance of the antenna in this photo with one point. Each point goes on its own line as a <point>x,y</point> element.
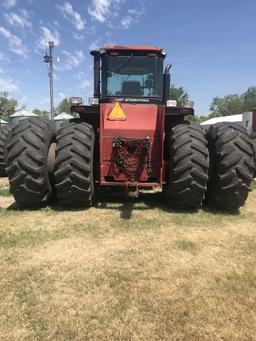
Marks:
<point>49,60</point>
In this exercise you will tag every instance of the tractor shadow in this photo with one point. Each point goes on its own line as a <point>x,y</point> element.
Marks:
<point>116,199</point>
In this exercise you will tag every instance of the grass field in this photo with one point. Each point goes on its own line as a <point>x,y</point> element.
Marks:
<point>127,271</point>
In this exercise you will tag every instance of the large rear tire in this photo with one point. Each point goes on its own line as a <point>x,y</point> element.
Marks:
<point>5,132</point>
<point>231,166</point>
<point>74,164</point>
<point>27,167</point>
<point>189,163</point>
<point>254,149</point>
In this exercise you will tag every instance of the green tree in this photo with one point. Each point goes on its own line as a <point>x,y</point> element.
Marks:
<point>179,94</point>
<point>41,113</point>
<point>64,106</point>
<point>193,118</point>
<point>7,105</point>
<point>203,118</point>
<point>228,105</point>
<point>196,118</point>
<point>249,98</point>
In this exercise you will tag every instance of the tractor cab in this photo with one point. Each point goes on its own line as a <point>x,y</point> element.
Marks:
<point>128,74</point>
<point>131,74</point>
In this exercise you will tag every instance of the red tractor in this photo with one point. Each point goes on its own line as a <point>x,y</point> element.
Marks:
<point>132,136</point>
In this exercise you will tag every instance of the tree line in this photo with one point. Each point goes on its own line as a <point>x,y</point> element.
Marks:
<point>220,106</point>
<point>232,104</point>
<point>9,106</point>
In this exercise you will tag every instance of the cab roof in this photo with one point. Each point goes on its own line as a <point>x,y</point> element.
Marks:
<point>132,48</point>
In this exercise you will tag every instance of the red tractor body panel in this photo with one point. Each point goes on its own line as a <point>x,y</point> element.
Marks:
<point>140,137</point>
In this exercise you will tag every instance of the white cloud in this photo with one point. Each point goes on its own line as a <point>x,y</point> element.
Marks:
<point>3,58</point>
<point>24,101</point>
<point>73,59</point>
<point>100,9</point>
<point>80,75</point>
<point>8,3</point>
<point>56,23</point>
<point>78,36</point>
<point>126,22</point>
<point>70,14</point>
<point>132,18</point>
<point>61,96</point>
<point>8,85</point>
<point>43,102</point>
<point>83,81</point>
<point>94,45</point>
<point>86,84</point>
<point>47,36</point>
<point>15,43</point>
<point>21,19</point>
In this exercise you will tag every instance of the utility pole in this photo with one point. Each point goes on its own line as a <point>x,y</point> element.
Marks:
<point>49,60</point>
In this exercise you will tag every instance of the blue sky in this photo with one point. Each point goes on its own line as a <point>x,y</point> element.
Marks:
<point>211,44</point>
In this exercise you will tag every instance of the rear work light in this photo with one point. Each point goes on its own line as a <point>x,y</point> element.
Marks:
<point>76,100</point>
<point>93,101</point>
<point>171,103</point>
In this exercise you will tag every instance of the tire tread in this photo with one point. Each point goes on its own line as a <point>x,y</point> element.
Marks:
<point>231,166</point>
<point>189,165</point>
<point>5,131</point>
<point>27,154</point>
<point>74,164</point>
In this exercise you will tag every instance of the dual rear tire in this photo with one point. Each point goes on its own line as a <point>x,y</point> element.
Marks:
<point>28,163</point>
<point>5,131</point>
<point>221,177</point>
<point>231,166</point>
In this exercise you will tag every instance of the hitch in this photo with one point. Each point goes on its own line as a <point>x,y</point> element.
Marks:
<point>132,191</point>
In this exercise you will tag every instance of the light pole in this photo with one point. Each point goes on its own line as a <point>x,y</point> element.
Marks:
<point>49,60</point>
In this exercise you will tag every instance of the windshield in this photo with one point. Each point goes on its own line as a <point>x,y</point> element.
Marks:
<point>132,76</point>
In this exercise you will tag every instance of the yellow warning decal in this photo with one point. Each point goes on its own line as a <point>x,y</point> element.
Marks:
<point>117,113</point>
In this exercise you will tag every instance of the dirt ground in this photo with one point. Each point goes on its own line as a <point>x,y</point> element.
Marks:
<point>125,270</point>
<point>4,182</point>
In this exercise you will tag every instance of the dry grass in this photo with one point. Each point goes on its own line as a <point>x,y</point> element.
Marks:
<point>4,182</point>
<point>5,191</point>
<point>123,271</point>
